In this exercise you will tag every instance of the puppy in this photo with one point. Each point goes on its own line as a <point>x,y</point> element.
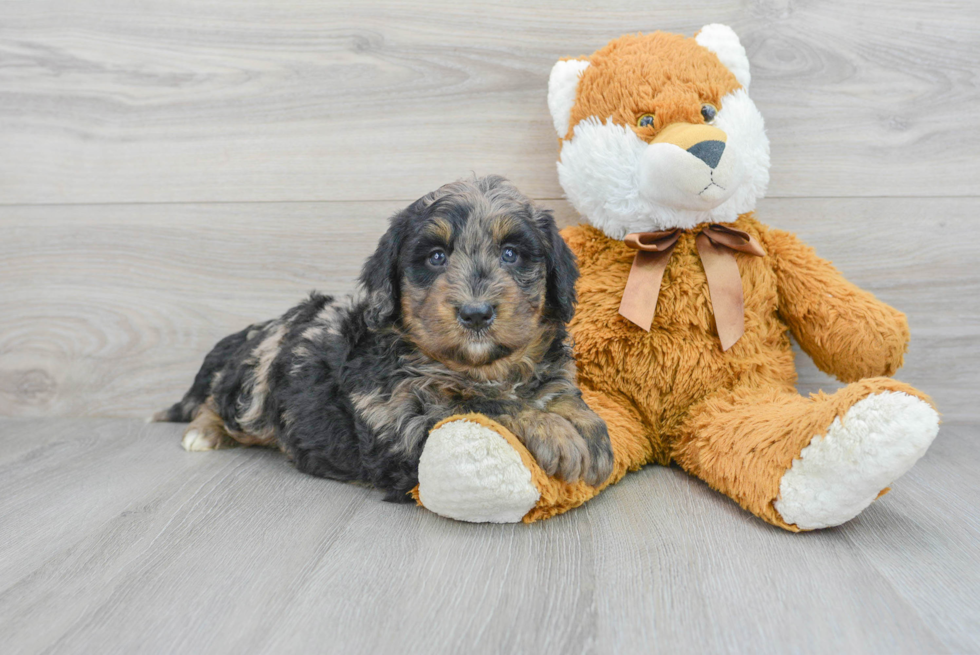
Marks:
<point>462,308</point>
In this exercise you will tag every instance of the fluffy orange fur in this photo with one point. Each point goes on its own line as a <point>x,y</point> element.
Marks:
<point>627,82</point>
<point>732,418</point>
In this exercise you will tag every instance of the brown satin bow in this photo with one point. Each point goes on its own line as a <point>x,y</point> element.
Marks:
<point>716,245</point>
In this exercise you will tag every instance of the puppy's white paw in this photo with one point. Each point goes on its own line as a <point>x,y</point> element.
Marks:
<point>197,440</point>
<point>838,475</point>
<point>468,472</point>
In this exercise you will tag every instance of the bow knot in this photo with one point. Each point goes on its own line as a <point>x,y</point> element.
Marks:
<point>716,246</point>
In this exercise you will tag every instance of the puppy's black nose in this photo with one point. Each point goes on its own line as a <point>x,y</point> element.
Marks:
<point>476,316</point>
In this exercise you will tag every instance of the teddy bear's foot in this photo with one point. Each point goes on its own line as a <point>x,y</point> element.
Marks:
<point>469,472</point>
<point>838,475</point>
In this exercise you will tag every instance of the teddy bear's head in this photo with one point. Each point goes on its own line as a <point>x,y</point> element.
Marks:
<point>658,132</point>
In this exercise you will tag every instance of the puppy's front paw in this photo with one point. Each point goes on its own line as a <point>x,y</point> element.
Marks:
<point>555,443</point>
<point>600,455</point>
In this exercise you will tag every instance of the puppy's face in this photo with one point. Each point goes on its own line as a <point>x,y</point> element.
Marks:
<point>483,278</point>
<point>474,284</point>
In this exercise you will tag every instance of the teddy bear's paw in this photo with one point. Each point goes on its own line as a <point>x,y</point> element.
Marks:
<point>470,473</point>
<point>838,475</point>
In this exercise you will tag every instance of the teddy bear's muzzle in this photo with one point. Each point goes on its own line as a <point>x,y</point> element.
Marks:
<point>689,166</point>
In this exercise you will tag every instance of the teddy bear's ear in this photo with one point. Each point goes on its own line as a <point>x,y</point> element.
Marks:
<point>562,86</point>
<point>722,40</point>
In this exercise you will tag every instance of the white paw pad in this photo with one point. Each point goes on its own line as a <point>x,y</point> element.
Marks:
<point>196,440</point>
<point>838,475</point>
<point>468,472</point>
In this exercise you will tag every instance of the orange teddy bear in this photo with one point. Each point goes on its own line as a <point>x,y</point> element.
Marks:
<point>686,303</point>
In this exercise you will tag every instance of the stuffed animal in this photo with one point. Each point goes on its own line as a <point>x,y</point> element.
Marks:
<point>686,306</point>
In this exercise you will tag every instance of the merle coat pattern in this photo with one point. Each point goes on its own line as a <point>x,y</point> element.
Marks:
<point>350,388</point>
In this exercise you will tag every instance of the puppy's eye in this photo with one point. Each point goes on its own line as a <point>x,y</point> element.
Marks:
<point>508,255</point>
<point>437,258</point>
<point>708,113</point>
<point>646,120</point>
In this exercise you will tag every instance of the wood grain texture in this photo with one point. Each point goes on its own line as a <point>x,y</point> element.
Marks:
<point>116,540</point>
<point>109,310</point>
<point>171,171</point>
<point>223,100</point>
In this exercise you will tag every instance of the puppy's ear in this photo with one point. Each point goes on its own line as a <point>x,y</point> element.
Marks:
<point>381,276</point>
<point>562,269</point>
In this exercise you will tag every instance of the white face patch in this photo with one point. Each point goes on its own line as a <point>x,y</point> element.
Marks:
<point>622,184</point>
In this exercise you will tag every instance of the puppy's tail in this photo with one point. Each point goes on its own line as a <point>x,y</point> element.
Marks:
<point>185,410</point>
<point>182,412</point>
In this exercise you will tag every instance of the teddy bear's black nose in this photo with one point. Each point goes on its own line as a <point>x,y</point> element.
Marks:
<point>708,151</point>
<point>476,316</point>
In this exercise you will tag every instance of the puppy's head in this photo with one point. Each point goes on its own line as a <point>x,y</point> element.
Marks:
<point>475,274</point>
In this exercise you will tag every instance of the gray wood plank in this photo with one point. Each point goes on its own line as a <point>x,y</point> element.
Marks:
<point>113,539</point>
<point>699,576</point>
<point>129,544</point>
<point>219,100</point>
<point>143,521</point>
<point>108,310</point>
<point>931,518</point>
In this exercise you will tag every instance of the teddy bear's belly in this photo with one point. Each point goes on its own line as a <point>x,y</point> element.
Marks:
<point>679,362</point>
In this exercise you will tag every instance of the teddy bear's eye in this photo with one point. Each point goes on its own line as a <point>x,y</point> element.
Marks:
<point>646,120</point>
<point>708,113</point>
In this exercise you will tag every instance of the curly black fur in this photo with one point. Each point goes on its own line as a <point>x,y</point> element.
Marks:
<point>350,388</point>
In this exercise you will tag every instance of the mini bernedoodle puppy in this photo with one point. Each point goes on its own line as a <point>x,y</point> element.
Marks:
<point>462,308</point>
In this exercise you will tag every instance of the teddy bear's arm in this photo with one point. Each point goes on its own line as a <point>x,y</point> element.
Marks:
<point>848,332</point>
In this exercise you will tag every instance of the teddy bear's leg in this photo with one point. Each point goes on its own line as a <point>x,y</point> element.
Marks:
<point>474,469</point>
<point>806,463</point>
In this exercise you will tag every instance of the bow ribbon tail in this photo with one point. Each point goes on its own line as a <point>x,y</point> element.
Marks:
<point>725,289</point>
<point>639,303</point>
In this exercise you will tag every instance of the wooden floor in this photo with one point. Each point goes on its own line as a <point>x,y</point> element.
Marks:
<point>115,540</point>
<point>170,172</point>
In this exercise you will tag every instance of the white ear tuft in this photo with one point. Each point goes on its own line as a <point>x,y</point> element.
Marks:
<point>722,40</point>
<point>562,86</point>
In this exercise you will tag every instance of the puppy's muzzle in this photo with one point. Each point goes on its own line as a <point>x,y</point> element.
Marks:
<point>476,316</point>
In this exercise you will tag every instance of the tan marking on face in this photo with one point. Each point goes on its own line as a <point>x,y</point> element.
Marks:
<point>430,315</point>
<point>475,273</point>
<point>503,226</point>
<point>440,229</point>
